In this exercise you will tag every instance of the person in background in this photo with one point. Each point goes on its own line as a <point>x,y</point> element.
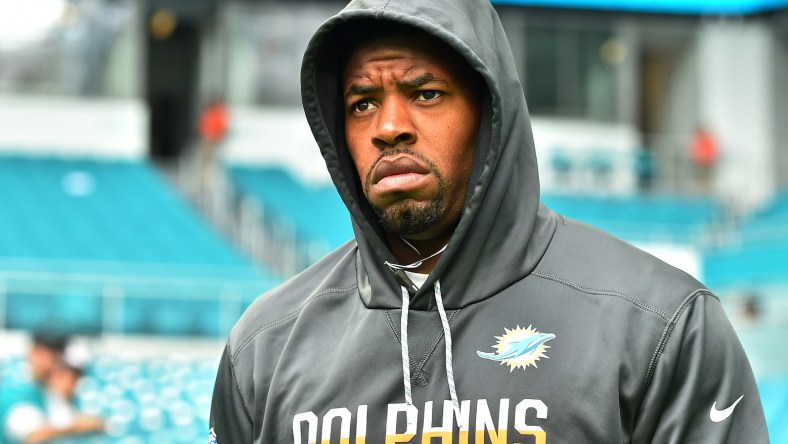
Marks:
<point>750,309</point>
<point>46,409</point>
<point>19,402</point>
<point>62,408</point>
<point>45,353</point>
<point>213,129</point>
<point>705,154</point>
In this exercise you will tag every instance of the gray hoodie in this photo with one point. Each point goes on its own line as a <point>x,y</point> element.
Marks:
<point>530,328</point>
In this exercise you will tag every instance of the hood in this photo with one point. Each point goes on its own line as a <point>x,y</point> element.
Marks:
<point>503,231</point>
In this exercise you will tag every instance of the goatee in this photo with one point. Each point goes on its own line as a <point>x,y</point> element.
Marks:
<point>408,217</point>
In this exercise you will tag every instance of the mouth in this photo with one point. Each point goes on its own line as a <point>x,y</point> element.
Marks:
<point>398,173</point>
<point>397,166</point>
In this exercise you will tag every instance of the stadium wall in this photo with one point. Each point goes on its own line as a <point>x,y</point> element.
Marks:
<point>736,102</point>
<point>74,127</point>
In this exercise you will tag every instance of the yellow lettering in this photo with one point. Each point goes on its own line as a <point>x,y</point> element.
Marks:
<point>498,437</point>
<point>443,431</point>
<point>411,416</point>
<point>394,439</point>
<point>361,426</point>
<point>344,425</point>
<point>484,422</point>
<point>430,431</point>
<point>444,437</point>
<point>540,437</point>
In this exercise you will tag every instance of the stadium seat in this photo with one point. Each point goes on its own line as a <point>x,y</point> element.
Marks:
<point>641,218</point>
<point>115,227</point>
<point>316,213</point>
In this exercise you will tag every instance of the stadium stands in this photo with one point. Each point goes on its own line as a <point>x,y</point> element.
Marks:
<point>107,211</point>
<point>642,218</point>
<point>319,218</point>
<point>774,395</point>
<point>144,401</point>
<point>126,253</point>
<point>666,218</point>
<point>758,255</point>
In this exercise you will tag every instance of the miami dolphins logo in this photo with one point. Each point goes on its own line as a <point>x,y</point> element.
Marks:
<point>519,347</point>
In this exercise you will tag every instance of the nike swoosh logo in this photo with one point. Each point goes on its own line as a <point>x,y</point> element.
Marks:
<point>721,415</point>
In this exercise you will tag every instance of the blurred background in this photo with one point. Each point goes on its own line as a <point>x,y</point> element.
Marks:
<point>157,174</point>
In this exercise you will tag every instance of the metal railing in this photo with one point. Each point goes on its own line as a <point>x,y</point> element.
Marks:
<point>118,304</point>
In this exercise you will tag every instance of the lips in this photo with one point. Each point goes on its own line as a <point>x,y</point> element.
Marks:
<point>400,165</point>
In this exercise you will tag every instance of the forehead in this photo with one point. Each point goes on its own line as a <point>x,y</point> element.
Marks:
<point>419,51</point>
<point>41,348</point>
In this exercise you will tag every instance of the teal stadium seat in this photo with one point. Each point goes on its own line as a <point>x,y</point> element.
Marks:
<point>159,400</point>
<point>759,257</point>
<point>774,395</point>
<point>641,218</point>
<point>317,212</point>
<point>115,224</point>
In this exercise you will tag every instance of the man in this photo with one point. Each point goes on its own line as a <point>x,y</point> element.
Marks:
<point>436,323</point>
<point>63,417</point>
<point>213,129</point>
<point>45,354</point>
<point>21,404</point>
<point>46,410</point>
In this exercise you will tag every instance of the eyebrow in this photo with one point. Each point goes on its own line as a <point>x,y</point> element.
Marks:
<point>416,82</point>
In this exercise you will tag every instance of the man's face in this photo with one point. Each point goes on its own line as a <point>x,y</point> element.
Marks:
<point>42,359</point>
<point>411,120</point>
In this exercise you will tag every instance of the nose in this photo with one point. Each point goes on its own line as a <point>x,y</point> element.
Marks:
<point>394,126</point>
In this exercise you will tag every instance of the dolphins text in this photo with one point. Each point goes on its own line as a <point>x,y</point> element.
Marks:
<point>404,422</point>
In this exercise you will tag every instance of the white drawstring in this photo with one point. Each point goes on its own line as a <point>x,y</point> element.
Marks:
<point>447,340</point>
<point>416,264</point>
<point>403,327</point>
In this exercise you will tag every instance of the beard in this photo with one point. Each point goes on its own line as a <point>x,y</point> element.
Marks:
<point>407,216</point>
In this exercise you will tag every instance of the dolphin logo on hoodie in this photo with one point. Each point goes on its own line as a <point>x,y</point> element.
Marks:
<point>519,347</point>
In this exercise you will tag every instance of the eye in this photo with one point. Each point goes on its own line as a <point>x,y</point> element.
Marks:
<point>428,95</point>
<point>362,105</point>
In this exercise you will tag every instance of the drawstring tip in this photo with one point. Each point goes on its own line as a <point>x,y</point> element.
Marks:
<point>405,281</point>
<point>458,415</point>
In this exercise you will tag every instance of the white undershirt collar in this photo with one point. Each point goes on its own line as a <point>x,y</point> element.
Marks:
<point>418,279</point>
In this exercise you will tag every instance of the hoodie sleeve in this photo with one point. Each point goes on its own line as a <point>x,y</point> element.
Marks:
<point>702,388</point>
<point>230,420</point>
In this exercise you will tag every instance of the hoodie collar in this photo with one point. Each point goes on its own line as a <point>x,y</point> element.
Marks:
<point>503,231</point>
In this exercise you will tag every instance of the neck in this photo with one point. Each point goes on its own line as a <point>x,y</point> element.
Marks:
<point>407,255</point>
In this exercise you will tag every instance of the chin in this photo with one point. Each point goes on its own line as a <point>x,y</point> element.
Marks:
<point>411,220</point>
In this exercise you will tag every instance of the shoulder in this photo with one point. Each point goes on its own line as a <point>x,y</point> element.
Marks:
<point>21,410</point>
<point>593,261</point>
<point>280,307</point>
<point>28,393</point>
